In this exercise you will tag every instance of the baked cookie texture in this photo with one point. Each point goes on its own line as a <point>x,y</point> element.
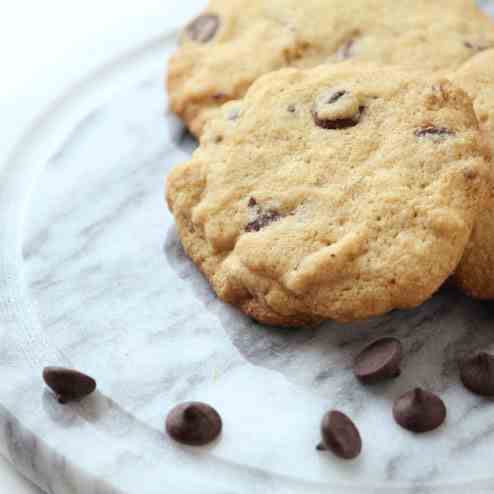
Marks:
<point>475,274</point>
<point>340,192</point>
<point>234,42</point>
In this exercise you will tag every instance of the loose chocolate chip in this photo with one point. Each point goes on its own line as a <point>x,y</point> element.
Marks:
<point>477,374</point>
<point>203,28</point>
<point>194,423</point>
<point>419,411</point>
<point>264,219</point>
<point>252,202</point>
<point>291,108</point>
<point>340,123</point>
<point>434,132</point>
<point>378,361</point>
<point>340,436</point>
<point>68,384</point>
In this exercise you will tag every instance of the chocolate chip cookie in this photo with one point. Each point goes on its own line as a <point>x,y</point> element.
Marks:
<point>475,274</point>
<point>234,42</point>
<point>340,192</point>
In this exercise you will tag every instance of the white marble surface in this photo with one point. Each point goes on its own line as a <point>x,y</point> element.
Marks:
<point>92,276</point>
<point>14,483</point>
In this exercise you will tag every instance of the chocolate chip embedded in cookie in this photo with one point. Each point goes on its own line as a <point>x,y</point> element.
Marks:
<point>234,42</point>
<point>434,133</point>
<point>337,109</point>
<point>261,218</point>
<point>292,222</point>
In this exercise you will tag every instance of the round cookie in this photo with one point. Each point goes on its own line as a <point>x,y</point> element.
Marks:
<point>475,274</point>
<point>234,42</point>
<point>340,192</point>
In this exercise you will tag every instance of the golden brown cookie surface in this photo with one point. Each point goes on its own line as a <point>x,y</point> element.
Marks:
<point>234,42</point>
<point>475,274</point>
<point>340,192</point>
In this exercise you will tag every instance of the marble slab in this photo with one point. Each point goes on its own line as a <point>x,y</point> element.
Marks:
<point>92,276</point>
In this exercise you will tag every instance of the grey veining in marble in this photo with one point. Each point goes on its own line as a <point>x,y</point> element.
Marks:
<point>97,279</point>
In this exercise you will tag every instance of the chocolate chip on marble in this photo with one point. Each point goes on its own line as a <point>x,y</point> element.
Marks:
<point>435,133</point>
<point>68,384</point>
<point>203,28</point>
<point>378,361</point>
<point>194,423</point>
<point>291,108</point>
<point>477,374</point>
<point>419,411</point>
<point>340,435</point>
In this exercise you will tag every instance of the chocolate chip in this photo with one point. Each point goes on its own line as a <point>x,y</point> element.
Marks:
<point>194,423</point>
<point>477,374</point>
<point>434,132</point>
<point>203,28</point>
<point>339,123</point>
<point>291,108</point>
<point>68,384</point>
<point>378,361</point>
<point>340,436</point>
<point>419,411</point>
<point>264,219</point>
